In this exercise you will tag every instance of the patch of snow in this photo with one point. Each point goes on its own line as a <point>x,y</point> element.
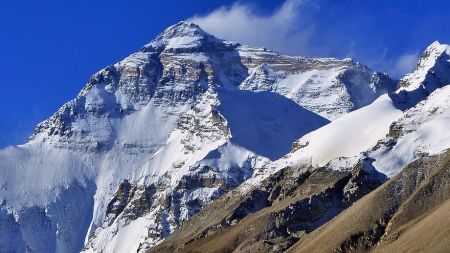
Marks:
<point>122,238</point>
<point>183,42</point>
<point>193,57</point>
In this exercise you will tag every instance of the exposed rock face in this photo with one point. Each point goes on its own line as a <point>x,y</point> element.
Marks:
<point>382,220</point>
<point>130,202</point>
<point>183,61</point>
<point>274,215</point>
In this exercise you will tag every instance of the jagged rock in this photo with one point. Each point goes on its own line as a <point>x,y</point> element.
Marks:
<point>121,199</point>
<point>274,215</point>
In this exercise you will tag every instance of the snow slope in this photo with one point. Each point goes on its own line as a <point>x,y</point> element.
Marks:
<point>394,130</point>
<point>348,135</point>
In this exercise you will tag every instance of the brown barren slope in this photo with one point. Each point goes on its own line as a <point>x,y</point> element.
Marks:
<point>430,233</point>
<point>272,217</point>
<point>409,213</point>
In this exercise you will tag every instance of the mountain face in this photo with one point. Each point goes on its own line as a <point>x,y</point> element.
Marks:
<point>312,199</point>
<point>213,139</point>
<point>151,140</point>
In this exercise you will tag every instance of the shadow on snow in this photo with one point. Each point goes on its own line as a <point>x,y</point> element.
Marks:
<point>266,123</point>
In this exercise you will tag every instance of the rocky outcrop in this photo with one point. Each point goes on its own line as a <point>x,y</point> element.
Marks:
<point>130,202</point>
<point>273,216</point>
<point>291,209</point>
<point>383,220</point>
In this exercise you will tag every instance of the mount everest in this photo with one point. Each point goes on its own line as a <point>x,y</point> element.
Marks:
<point>157,138</point>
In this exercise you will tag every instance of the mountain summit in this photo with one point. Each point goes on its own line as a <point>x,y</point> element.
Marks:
<point>181,36</point>
<point>432,70</point>
<point>152,140</point>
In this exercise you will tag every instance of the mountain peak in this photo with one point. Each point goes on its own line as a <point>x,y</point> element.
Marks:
<point>437,46</point>
<point>183,28</point>
<point>432,54</point>
<point>431,70</point>
<point>184,34</point>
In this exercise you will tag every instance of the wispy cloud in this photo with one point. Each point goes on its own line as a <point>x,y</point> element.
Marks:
<point>282,30</point>
<point>297,28</point>
<point>398,66</point>
<point>404,64</point>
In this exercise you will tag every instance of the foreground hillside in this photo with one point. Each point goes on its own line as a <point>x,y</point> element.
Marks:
<point>409,213</point>
<point>274,215</point>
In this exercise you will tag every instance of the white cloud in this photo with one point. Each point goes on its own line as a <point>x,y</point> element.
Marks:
<point>293,29</point>
<point>396,66</point>
<point>406,63</point>
<point>282,30</point>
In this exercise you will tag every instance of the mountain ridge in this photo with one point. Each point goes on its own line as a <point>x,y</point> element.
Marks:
<point>151,140</point>
<point>387,218</point>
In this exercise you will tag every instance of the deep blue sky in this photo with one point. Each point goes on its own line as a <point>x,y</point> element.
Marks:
<point>49,49</point>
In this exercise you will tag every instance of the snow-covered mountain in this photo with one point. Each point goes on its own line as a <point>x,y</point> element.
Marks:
<point>374,180</point>
<point>151,140</point>
<point>393,130</point>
